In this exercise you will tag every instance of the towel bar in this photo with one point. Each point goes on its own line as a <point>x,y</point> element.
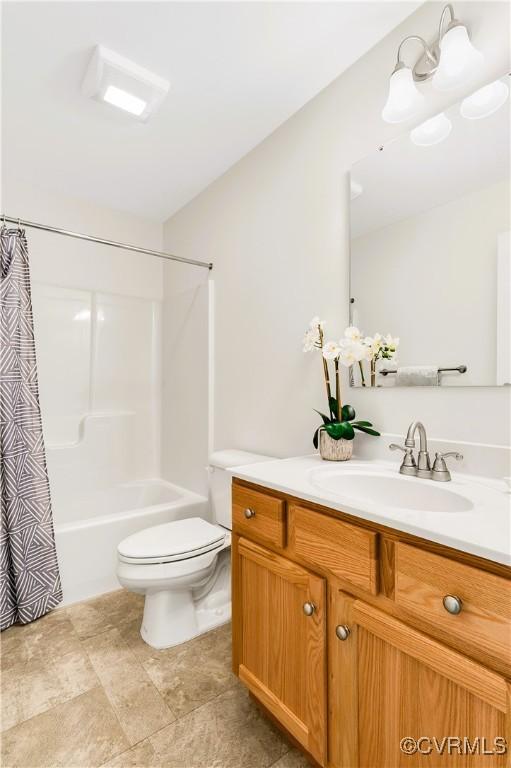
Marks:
<point>459,368</point>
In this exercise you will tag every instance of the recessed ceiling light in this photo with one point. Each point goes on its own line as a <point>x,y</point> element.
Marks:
<point>433,131</point>
<point>124,100</point>
<point>120,82</point>
<point>485,101</point>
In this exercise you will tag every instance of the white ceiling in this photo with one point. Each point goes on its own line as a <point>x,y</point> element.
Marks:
<point>237,71</point>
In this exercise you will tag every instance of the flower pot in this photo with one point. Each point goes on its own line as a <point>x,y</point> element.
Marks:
<point>334,450</point>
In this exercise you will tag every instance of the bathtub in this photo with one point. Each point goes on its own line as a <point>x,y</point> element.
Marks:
<point>98,521</point>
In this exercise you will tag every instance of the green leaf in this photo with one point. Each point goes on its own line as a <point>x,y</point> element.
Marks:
<point>326,419</point>
<point>348,413</point>
<point>332,402</point>
<point>363,423</point>
<point>340,429</point>
<point>367,430</point>
<point>315,438</point>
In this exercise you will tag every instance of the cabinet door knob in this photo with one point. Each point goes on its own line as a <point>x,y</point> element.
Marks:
<point>309,608</point>
<point>342,631</point>
<point>249,513</point>
<point>452,604</point>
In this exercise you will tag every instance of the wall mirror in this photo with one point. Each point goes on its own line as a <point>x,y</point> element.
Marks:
<point>430,249</point>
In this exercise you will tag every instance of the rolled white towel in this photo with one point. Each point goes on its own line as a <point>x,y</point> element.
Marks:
<point>417,376</point>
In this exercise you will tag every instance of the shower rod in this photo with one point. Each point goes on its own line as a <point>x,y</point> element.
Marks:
<point>102,241</point>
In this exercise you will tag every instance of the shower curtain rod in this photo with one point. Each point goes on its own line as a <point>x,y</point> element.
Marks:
<point>102,241</point>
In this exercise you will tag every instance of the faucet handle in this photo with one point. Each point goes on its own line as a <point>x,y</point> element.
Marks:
<point>440,471</point>
<point>408,466</point>
<point>457,456</point>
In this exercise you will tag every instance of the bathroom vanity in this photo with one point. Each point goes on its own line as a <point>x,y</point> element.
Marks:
<point>355,627</point>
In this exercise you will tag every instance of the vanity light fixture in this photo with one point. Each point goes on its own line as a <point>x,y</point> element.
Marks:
<point>485,101</point>
<point>451,60</point>
<point>431,132</point>
<point>113,79</point>
<point>459,59</point>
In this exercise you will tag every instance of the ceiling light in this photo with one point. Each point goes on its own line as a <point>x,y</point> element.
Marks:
<point>485,101</point>
<point>124,100</point>
<point>404,99</point>
<point>120,82</point>
<point>451,60</point>
<point>459,60</point>
<point>433,131</point>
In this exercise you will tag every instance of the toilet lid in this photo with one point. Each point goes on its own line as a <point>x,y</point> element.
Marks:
<point>178,540</point>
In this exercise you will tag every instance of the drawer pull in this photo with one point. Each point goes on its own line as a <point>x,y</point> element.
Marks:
<point>249,513</point>
<point>309,608</point>
<point>342,631</point>
<point>452,604</point>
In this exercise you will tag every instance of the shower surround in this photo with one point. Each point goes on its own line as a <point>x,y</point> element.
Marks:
<point>99,349</point>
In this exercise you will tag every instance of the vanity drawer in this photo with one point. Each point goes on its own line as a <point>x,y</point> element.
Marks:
<point>347,551</point>
<point>423,579</point>
<point>258,516</point>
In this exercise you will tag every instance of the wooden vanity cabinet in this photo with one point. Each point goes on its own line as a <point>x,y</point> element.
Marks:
<point>282,644</point>
<point>347,645</point>
<point>389,681</point>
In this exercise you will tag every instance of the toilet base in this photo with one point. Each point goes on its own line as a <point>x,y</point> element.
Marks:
<point>174,616</point>
<point>171,618</point>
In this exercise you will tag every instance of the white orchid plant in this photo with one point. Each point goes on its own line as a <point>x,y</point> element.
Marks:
<point>352,349</point>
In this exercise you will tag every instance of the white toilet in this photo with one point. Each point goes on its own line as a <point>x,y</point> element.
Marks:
<point>183,567</point>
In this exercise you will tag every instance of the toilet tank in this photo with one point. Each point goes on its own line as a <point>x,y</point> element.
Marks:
<point>220,481</point>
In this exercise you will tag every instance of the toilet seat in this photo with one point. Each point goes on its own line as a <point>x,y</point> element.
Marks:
<point>171,542</point>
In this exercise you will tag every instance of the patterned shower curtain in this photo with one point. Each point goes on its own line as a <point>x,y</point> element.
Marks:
<point>30,581</point>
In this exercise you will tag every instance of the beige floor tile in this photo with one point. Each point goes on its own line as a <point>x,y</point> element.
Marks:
<point>82,733</point>
<point>293,759</point>
<point>33,687</point>
<point>138,705</point>
<point>228,732</point>
<point>27,690</point>
<point>87,620</point>
<point>52,635</point>
<point>13,649</point>
<point>119,606</point>
<point>75,674</point>
<point>130,633</point>
<point>192,674</point>
<point>142,755</point>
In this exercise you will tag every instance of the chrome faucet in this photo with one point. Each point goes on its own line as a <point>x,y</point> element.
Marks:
<point>423,466</point>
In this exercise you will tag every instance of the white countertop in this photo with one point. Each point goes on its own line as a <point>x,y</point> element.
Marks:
<point>484,530</point>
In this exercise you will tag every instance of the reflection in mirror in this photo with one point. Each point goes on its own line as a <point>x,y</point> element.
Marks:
<point>430,248</point>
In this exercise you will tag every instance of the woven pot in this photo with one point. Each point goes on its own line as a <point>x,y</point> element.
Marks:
<point>334,450</point>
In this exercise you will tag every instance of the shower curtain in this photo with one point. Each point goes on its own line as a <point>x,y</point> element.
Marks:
<point>30,581</point>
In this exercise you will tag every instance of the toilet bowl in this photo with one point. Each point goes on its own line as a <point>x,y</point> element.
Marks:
<point>183,567</point>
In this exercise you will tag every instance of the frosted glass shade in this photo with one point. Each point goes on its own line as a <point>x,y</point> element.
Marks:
<point>459,60</point>
<point>485,101</point>
<point>404,100</point>
<point>431,132</point>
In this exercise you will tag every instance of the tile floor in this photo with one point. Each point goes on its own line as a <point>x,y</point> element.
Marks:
<point>80,689</point>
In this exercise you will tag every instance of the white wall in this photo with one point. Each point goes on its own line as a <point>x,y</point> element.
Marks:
<point>185,375</point>
<point>97,323</point>
<point>276,227</point>
<point>445,259</point>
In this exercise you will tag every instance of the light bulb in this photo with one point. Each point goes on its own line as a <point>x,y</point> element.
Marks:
<point>459,60</point>
<point>485,101</point>
<point>433,131</point>
<point>404,100</point>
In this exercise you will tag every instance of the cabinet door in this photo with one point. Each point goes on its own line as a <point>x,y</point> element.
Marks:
<point>281,642</point>
<point>389,682</point>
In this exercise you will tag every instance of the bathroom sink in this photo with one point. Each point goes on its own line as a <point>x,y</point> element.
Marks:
<point>389,490</point>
